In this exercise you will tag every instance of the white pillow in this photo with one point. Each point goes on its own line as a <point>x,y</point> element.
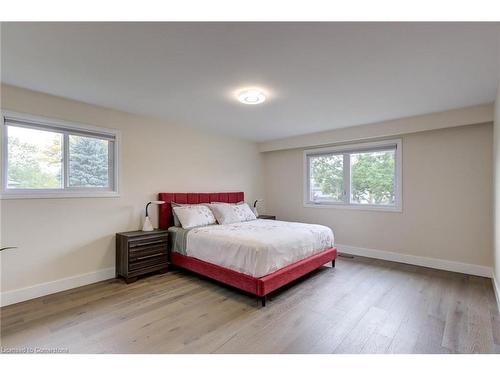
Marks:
<point>226,213</point>
<point>194,216</point>
<point>177,223</point>
<point>244,212</point>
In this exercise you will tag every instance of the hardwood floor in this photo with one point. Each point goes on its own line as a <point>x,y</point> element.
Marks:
<point>361,306</point>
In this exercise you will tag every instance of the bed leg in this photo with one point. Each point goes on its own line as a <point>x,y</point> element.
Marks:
<point>263,301</point>
<point>333,263</point>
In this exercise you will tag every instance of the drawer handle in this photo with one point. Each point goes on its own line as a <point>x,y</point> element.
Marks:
<point>149,256</point>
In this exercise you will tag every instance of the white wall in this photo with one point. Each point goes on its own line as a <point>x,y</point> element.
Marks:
<point>61,238</point>
<point>496,194</point>
<point>478,114</point>
<point>447,193</point>
<point>446,199</point>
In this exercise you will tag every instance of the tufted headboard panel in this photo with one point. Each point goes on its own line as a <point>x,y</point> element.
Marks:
<point>166,218</point>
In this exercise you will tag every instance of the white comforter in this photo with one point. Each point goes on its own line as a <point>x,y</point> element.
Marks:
<point>258,247</point>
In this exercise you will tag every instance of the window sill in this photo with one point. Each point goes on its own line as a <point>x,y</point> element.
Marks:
<point>57,195</point>
<point>395,209</point>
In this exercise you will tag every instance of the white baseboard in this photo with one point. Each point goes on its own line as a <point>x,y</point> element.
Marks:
<point>440,264</point>
<point>18,295</point>
<point>496,288</point>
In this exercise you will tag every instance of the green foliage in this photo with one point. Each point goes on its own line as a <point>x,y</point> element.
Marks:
<point>28,166</point>
<point>88,162</point>
<point>33,166</point>
<point>328,174</point>
<point>372,177</point>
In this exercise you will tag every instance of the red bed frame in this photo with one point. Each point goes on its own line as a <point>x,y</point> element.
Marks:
<point>259,287</point>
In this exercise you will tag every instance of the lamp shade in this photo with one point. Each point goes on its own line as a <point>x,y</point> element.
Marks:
<point>147,226</point>
<point>254,208</point>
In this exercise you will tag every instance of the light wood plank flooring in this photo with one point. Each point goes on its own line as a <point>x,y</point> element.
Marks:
<point>361,306</point>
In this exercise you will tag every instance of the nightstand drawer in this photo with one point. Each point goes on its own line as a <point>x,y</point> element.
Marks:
<point>147,242</point>
<point>137,253</point>
<point>147,261</point>
<point>143,271</point>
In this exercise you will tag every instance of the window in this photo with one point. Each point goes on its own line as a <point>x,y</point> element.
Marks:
<point>52,158</point>
<point>366,175</point>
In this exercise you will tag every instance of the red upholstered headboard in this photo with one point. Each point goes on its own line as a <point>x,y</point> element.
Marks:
<point>166,218</point>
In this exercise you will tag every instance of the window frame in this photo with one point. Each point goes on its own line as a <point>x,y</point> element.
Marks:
<point>65,128</point>
<point>346,149</point>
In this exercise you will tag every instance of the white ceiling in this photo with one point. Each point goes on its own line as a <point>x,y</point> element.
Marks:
<point>320,76</point>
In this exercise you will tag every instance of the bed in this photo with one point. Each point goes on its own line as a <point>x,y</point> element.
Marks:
<point>257,257</point>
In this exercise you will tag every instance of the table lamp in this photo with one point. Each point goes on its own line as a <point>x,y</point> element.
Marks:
<point>147,227</point>
<point>255,206</point>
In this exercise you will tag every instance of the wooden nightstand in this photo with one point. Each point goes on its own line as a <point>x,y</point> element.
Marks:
<point>268,217</point>
<point>139,253</point>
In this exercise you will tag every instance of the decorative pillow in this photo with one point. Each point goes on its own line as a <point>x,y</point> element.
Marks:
<point>244,212</point>
<point>177,223</point>
<point>194,215</point>
<point>226,213</point>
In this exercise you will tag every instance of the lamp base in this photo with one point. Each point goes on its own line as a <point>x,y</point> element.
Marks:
<point>147,227</point>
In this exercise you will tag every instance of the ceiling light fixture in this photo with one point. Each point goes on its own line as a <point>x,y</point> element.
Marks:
<point>251,96</point>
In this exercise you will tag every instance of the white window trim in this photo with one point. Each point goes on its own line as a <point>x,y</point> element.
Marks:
<point>397,207</point>
<point>64,192</point>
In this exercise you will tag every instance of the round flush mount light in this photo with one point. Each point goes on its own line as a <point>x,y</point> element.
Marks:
<point>251,96</point>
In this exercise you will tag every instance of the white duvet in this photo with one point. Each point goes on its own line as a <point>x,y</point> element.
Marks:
<point>258,247</point>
